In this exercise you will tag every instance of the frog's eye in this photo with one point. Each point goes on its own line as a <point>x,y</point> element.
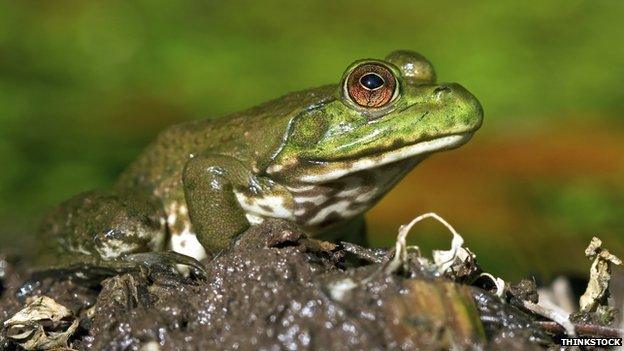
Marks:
<point>371,85</point>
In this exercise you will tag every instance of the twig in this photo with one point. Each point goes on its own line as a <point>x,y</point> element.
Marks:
<point>554,314</point>
<point>366,254</point>
<point>583,329</point>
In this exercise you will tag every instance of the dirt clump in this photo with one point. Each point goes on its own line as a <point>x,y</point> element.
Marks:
<point>276,289</point>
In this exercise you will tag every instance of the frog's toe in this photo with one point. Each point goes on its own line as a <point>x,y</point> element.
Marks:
<point>168,263</point>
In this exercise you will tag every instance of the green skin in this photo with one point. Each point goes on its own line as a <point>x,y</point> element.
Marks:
<point>313,157</point>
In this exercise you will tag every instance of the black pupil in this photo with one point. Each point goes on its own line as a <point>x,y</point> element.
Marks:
<point>371,81</point>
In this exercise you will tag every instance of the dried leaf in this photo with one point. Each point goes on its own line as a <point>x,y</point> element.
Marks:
<point>599,276</point>
<point>43,324</point>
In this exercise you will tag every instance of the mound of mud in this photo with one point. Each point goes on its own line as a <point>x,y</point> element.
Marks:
<point>274,289</point>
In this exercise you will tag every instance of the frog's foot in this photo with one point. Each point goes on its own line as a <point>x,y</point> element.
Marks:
<point>91,269</point>
<point>169,263</point>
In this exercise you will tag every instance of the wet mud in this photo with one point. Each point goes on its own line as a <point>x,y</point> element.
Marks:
<point>275,289</point>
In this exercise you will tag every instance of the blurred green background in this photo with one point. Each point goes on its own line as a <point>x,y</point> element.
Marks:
<point>84,85</point>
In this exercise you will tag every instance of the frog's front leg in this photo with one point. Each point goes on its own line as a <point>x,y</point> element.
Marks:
<point>209,184</point>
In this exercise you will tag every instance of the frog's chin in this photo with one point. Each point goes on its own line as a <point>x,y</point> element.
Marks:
<point>328,171</point>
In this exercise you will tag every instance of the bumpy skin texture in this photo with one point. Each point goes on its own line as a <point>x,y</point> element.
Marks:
<point>314,157</point>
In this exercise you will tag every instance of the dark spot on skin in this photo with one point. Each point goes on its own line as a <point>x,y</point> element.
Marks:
<point>337,186</point>
<point>309,213</point>
<point>332,218</point>
<point>441,89</point>
<point>367,179</point>
<point>396,144</point>
<point>309,193</point>
<point>266,208</point>
<point>367,188</point>
<point>307,205</point>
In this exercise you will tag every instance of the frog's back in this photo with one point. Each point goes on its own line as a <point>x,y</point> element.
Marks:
<point>165,156</point>
<point>251,136</point>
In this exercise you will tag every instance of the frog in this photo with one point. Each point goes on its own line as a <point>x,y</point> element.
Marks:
<point>319,158</point>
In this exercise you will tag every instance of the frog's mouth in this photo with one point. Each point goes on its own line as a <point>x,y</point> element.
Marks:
<point>324,171</point>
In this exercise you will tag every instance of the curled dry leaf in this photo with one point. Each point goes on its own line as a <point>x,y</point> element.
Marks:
<point>444,259</point>
<point>458,263</point>
<point>43,324</point>
<point>599,276</point>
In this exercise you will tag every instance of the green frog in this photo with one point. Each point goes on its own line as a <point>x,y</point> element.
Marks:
<point>319,158</point>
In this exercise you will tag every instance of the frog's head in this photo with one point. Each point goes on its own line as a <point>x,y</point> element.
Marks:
<point>382,112</point>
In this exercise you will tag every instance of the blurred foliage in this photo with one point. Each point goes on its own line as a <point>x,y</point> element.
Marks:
<point>84,85</point>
